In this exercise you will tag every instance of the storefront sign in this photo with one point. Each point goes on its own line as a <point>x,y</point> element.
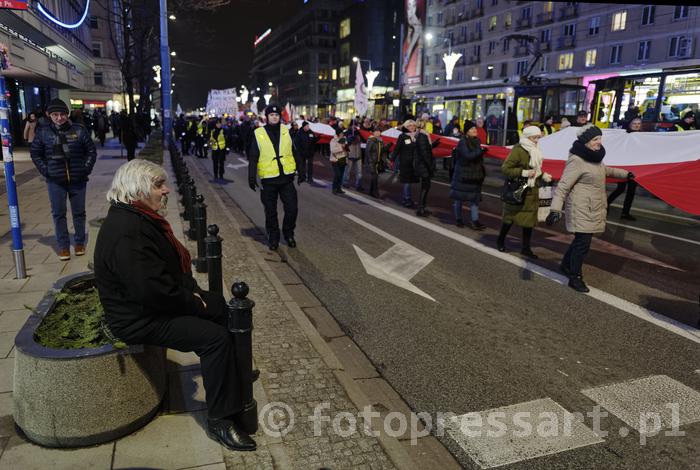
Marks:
<point>13,4</point>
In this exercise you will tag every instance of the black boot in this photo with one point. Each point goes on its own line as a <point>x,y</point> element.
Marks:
<point>577,284</point>
<point>501,242</point>
<point>527,237</point>
<point>227,433</point>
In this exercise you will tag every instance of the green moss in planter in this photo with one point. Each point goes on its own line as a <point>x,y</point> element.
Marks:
<point>76,320</point>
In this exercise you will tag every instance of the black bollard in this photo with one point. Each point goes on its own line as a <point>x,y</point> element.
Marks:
<point>192,230</point>
<point>200,227</point>
<point>188,199</point>
<point>213,250</point>
<point>240,324</point>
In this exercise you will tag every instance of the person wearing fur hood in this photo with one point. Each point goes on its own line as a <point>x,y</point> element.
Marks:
<point>582,187</point>
<point>524,161</point>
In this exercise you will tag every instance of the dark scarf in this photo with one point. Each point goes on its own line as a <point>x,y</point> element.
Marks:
<point>591,156</point>
<point>473,143</point>
<point>182,253</point>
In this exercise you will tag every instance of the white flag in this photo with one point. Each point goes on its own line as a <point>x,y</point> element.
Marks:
<point>361,101</point>
<point>178,111</point>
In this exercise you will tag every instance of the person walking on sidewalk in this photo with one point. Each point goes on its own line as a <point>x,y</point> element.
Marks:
<point>582,186</point>
<point>217,142</point>
<point>354,158</point>
<point>468,177</point>
<point>630,186</point>
<point>274,159</point>
<point>424,166</point>
<point>201,138</point>
<point>405,152</point>
<point>305,142</point>
<point>143,276</point>
<point>64,154</point>
<point>128,138</point>
<point>339,157</point>
<point>30,128</point>
<point>524,161</point>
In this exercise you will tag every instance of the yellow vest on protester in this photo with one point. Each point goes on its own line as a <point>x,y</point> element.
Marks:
<point>267,163</point>
<point>220,142</point>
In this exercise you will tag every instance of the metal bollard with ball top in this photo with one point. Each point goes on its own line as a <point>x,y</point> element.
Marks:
<point>212,245</point>
<point>240,324</point>
<point>200,228</point>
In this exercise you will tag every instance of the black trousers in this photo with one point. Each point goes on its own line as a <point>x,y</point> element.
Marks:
<point>575,255</point>
<point>269,194</point>
<point>338,172</point>
<point>218,158</point>
<point>199,146</point>
<point>309,168</point>
<point>631,187</point>
<point>130,153</point>
<point>374,184</point>
<point>425,184</point>
<point>210,339</point>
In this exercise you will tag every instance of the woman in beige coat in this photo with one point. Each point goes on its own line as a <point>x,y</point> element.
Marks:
<point>30,128</point>
<point>582,186</point>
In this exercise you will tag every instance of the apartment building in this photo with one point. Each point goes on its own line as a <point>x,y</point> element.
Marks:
<point>562,43</point>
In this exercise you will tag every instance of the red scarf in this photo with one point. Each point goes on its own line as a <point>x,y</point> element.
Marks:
<point>183,254</point>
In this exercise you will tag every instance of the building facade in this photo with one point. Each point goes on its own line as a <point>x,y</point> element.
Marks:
<point>508,46</point>
<point>104,86</point>
<point>46,59</point>
<point>300,59</point>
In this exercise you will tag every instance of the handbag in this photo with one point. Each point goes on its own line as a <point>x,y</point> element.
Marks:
<point>514,191</point>
<point>545,206</point>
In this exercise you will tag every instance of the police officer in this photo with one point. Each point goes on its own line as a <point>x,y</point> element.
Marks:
<point>685,124</point>
<point>201,138</point>
<point>272,154</point>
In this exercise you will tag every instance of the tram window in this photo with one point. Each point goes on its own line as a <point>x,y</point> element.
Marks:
<point>639,99</point>
<point>681,94</point>
<point>528,108</point>
<point>569,102</point>
<point>551,103</point>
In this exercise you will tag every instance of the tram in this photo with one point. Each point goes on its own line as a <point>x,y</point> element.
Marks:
<point>524,102</point>
<point>658,97</point>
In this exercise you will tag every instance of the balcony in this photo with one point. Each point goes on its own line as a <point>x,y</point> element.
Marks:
<point>568,12</point>
<point>566,42</point>
<point>475,36</point>
<point>521,51</point>
<point>544,18</point>
<point>523,23</point>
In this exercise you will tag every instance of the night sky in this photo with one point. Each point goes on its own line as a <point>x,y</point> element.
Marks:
<point>215,50</point>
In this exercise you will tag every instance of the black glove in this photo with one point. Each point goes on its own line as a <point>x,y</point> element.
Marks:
<point>630,175</point>
<point>553,217</point>
<point>253,184</point>
<point>300,179</point>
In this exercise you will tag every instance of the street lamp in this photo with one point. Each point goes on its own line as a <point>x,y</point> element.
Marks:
<point>172,17</point>
<point>300,72</point>
<point>173,53</point>
<point>267,97</point>
<point>429,36</point>
<point>269,83</point>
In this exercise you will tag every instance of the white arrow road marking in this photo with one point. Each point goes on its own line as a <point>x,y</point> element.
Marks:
<point>398,264</point>
<point>616,250</point>
<point>243,164</point>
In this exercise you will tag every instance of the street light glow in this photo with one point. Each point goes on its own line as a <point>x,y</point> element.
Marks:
<point>429,36</point>
<point>355,59</point>
<point>172,17</point>
<point>173,53</point>
<point>300,71</point>
<point>269,83</point>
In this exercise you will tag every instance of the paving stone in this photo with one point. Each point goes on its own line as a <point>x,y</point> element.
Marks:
<point>352,358</point>
<point>185,391</point>
<point>13,320</point>
<point>214,466</point>
<point>427,452</point>
<point>22,454</point>
<point>302,296</point>
<point>7,424</point>
<point>7,342</point>
<point>41,282</point>
<point>324,322</point>
<point>12,286</point>
<point>550,429</point>
<point>7,367</point>
<point>284,273</point>
<point>638,402</point>
<point>169,441</point>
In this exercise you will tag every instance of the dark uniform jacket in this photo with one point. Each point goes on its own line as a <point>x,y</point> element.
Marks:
<point>305,143</point>
<point>63,156</point>
<point>138,275</point>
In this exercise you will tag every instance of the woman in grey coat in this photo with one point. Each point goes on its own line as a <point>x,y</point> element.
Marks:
<point>582,186</point>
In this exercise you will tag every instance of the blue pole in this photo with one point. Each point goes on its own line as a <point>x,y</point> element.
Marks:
<point>166,99</point>
<point>12,201</point>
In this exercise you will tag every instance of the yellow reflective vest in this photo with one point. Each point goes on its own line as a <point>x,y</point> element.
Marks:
<point>218,143</point>
<point>267,163</point>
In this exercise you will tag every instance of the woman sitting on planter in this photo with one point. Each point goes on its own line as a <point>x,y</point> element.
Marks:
<point>144,277</point>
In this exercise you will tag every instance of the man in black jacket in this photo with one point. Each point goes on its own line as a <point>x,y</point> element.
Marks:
<point>305,142</point>
<point>65,154</point>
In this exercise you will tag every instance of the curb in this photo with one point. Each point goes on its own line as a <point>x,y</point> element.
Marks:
<point>393,448</point>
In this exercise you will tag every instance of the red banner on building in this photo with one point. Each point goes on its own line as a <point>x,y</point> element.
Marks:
<point>13,4</point>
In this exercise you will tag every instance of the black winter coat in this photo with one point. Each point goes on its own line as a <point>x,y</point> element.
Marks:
<point>306,143</point>
<point>138,275</point>
<point>424,164</point>
<point>71,162</point>
<point>469,172</point>
<point>405,151</point>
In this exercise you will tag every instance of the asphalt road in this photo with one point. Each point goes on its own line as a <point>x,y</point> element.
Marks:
<point>495,333</point>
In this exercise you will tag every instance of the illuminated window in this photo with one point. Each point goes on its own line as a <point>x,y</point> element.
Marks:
<point>566,61</point>
<point>345,28</point>
<point>591,55</point>
<point>493,21</point>
<point>334,74</point>
<point>508,21</point>
<point>619,20</point>
<point>345,74</point>
<point>547,7</point>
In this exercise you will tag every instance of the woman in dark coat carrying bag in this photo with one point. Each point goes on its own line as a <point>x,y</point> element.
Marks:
<point>423,167</point>
<point>144,278</point>
<point>405,151</point>
<point>468,177</point>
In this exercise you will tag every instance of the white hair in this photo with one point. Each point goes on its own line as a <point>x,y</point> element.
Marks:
<point>134,181</point>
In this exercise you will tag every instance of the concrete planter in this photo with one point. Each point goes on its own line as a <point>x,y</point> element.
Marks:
<point>80,397</point>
